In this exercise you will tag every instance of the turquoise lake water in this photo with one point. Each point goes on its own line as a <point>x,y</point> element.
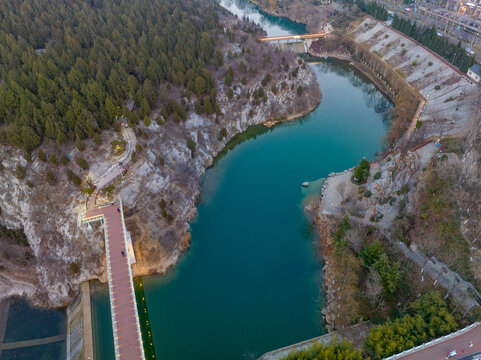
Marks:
<point>251,281</point>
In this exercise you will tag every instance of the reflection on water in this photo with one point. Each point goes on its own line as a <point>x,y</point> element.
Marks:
<point>274,26</point>
<point>26,322</point>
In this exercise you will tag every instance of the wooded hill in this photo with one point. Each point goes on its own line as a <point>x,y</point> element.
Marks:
<point>67,67</point>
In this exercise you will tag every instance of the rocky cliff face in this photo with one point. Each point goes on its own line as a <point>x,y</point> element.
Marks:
<point>158,193</point>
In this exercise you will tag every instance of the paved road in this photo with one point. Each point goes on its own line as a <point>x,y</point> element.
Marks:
<point>460,344</point>
<point>472,356</point>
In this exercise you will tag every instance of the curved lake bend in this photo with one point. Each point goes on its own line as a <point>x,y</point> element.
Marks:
<point>251,281</point>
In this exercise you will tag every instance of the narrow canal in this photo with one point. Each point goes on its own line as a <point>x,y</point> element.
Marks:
<point>251,281</point>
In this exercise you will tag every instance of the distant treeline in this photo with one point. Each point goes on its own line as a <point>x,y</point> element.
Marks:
<point>374,9</point>
<point>455,54</point>
<point>67,67</point>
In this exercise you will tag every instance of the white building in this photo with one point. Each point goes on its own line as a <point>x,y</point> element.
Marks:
<point>474,73</point>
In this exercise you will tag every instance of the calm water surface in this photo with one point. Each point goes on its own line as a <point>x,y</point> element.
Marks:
<point>251,281</point>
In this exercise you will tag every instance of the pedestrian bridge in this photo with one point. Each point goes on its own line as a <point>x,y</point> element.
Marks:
<point>120,257</point>
<point>294,37</point>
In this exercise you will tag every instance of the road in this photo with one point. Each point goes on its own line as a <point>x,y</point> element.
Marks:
<point>474,356</point>
<point>440,350</point>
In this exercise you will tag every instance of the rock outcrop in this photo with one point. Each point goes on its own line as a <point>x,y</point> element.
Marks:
<point>60,253</point>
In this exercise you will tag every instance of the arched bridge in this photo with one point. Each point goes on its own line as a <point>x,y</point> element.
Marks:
<point>120,257</point>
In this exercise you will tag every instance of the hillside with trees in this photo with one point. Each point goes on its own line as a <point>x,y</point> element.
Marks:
<point>68,67</point>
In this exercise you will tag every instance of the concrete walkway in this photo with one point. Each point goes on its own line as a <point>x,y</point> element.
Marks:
<point>87,321</point>
<point>355,334</point>
<point>466,295</point>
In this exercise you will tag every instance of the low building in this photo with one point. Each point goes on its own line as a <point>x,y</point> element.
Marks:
<point>474,73</point>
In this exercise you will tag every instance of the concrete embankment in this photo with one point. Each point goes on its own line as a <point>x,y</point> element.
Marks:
<point>4,307</point>
<point>79,326</point>
<point>355,334</point>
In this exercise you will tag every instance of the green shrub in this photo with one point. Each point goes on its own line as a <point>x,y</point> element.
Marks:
<point>267,78</point>
<point>299,90</point>
<point>41,156</point>
<point>430,63</point>
<point>377,175</point>
<point>74,268</point>
<point>191,146</point>
<point>437,87</point>
<point>333,351</point>
<point>82,163</point>
<point>146,121</point>
<point>51,178</point>
<point>20,172</point>
<point>228,79</point>
<point>222,133</point>
<point>52,159</point>
<point>361,172</point>
<point>89,190</point>
<point>97,139</point>
<point>418,124</point>
<point>367,193</point>
<point>230,94</point>
<point>429,318</point>
<point>108,190</point>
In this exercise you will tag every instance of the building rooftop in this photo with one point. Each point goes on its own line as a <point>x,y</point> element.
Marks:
<point>476,69</point>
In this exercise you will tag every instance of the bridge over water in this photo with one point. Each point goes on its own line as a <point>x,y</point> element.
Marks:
<point>294,37</point>
<point>120,255</point>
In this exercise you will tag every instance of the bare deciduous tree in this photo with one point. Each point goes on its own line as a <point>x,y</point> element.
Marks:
<point>373,287</point>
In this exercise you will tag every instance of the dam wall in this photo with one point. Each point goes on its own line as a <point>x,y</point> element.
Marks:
<point>79,326</point>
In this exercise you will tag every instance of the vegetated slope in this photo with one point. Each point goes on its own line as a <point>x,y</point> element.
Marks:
<point>245,82</point>
<point>67,66</point>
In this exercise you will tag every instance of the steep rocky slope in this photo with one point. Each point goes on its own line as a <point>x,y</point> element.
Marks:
<point>158,192</point>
